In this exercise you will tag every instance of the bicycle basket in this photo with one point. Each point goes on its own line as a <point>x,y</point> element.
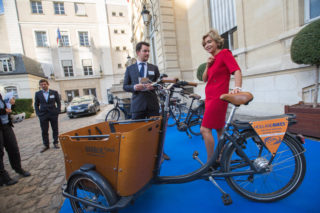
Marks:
<point>123,153</point>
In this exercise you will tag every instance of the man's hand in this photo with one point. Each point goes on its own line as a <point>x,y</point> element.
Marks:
<point>12,101</point>
<point>149,87</point>
<point>8,111</point>
<point>139,87</point>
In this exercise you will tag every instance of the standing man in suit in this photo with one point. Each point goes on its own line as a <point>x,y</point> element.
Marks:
<point>47,105</point>
<point>144,101</point>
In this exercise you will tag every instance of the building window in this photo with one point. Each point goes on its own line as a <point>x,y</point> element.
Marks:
<point>223,19</point>
<point>64,39</point>
<point>122,31</point>
<point>6,64</point>
<point>124,48</point>
<point>41,39</point>
<point>71,94</point>
<point>58,8</point>
<point>117,48</point>
<point>119,66</point>
<point>84,39</point>
<point>90,91</point>
<point>115,31</point>
<point>13,90</point>
<point>87,66</point>
<point>312,10</point>
<point>113,13</point>
<point>120,14</point>
<point>80,9</point>
<point>67,68</point>
<point>230,39</point>
<point>36,7</point>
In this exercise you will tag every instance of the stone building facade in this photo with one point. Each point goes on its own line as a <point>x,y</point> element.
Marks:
<point>259,35</point>
<point>74,41</point>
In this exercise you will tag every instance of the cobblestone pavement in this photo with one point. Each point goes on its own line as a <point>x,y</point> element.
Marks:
<point>41,192</point>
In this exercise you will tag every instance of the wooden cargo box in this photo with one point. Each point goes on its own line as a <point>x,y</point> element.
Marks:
<point>126,158</point>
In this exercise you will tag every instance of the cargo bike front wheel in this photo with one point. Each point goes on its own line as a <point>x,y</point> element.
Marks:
<point>89,189</point>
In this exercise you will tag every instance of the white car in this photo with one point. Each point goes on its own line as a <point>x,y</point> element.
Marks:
<point>63,106</point>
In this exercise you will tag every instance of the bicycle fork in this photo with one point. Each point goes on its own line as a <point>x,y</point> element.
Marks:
<point>226,199</point>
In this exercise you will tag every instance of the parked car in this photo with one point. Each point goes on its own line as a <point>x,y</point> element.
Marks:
<point>84,105</point>
<point>63,106</point>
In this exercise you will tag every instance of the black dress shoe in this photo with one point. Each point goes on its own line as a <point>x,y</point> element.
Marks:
<point>165,156</point>
<point>23,173</point>
<point>45,148</point>
<point>6,180</point>
<point>56,146</point>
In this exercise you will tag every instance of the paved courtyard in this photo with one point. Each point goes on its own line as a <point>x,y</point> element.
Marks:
<point>41,192</point>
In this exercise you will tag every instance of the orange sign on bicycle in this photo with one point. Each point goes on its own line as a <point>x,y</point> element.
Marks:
<point>271,132</point>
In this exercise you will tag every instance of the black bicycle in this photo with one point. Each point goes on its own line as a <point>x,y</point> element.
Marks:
<point>260,160</point>
<point>193,119</point>
<point>114,113</point>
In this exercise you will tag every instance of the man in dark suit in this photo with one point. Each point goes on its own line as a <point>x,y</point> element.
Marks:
<point>9,142</point>
<point>47,105</point>
<point>144,101</point>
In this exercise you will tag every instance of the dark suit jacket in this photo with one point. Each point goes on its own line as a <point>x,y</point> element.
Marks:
<point>44,108</point>
<point>141,100</point>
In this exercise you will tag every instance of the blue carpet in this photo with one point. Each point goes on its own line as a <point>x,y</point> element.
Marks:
<point>202,196</point>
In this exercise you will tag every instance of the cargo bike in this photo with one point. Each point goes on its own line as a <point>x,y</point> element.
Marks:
<point>110,163</point>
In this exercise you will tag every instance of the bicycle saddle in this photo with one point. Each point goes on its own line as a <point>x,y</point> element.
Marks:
<point>237,99</point>
<point>195,96</point>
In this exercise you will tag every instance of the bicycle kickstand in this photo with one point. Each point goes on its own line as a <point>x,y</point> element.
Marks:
<point>188,134</point>
<point>226,199</point>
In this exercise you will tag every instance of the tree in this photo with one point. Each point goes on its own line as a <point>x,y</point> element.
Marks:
<point>305,49</point>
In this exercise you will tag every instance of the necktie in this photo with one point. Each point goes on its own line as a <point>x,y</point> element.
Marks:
<point>141,70</point>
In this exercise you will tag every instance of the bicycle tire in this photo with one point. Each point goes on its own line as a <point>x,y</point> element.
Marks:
<point>87,188</point>
<point>195,122</point>
<point>287,172</point>
<point>113,114</point>
<point>175,115</point>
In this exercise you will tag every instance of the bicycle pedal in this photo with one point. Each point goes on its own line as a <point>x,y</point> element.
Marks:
<point>226,199</point>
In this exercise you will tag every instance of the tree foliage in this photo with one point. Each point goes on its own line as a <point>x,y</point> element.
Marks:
<point>305,48</point>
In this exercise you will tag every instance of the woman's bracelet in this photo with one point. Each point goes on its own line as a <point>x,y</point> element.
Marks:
<point>239,88</point>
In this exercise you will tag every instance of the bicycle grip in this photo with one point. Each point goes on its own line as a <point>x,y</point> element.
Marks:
<point>192,84</point>
<point>169,80</point>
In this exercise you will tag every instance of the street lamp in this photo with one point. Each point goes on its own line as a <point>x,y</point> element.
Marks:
<point>146,15</point>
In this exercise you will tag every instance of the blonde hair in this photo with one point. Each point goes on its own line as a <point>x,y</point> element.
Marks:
<point>215,36</point>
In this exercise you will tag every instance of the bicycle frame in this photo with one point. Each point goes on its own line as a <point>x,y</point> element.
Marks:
<point>203,172</point>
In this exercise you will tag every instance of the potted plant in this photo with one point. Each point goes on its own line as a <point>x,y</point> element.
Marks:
<point>305,49</point>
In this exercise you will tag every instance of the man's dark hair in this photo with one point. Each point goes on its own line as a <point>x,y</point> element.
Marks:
<point>139,45</point>
<point>43,80</point>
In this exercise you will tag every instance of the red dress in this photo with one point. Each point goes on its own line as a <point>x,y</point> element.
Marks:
<point>218,83</point>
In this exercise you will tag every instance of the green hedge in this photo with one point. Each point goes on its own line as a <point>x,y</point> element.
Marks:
<point>305,48</point>
<point>200,71</point>
<point>24,105</point>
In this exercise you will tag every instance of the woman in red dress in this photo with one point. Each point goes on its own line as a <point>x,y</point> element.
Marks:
<point>220,65</point>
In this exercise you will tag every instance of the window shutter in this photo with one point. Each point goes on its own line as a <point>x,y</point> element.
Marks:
<point>223,15</point>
